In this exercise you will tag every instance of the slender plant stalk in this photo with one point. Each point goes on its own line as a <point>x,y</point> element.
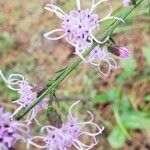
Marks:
<point>72,66</point>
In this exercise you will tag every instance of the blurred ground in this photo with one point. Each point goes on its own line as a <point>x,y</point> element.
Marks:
<point>24,50</point>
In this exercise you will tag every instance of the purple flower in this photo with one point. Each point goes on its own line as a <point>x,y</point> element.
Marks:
<point>120,51</point>
<point>27,96</point>
<point>69,134</point>
<point>11,131</point>
<point>99,56</point>
<point>127,3</point>
<point>71,130</point>
<point>77,25</point>
<point>18,83</point>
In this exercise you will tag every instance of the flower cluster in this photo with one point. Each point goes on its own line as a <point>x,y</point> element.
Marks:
<point>18,83</point>
<point>11,131</point>
<point>68,135</point>
<point>77,25</point>
<point>103,55</point>
<point>99,56</point>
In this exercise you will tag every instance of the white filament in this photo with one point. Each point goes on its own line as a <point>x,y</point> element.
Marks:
<point>115,63</point>
<point>111,17</point>
<point>32,116</point>
<point>11,81</point>
<point>109,68</point>
<point>30,141</point>
<point>95,5</point>
<point>55,9</point>
<point>94,124</point>
<point>48,34</point>
<point>100,42</point>
<point>78,4</point>
<point>16,111</point>
<point>71,107</point>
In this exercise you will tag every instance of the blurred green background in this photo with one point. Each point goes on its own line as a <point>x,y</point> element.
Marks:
<point>120,102</point>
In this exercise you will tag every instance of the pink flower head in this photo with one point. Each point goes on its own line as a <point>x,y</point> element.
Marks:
<point>11,131</point>
<point>120,51</point>
<point>18,83</point>
<point>98,56</point>
<point>77,25</point>
<point>127,3</point>
<point>69,134</point>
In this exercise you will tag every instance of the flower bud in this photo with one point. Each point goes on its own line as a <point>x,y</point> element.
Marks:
<point>120,51</point>
<point>127,3</point>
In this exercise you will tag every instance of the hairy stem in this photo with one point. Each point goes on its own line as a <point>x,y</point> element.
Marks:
<point>72,66</point>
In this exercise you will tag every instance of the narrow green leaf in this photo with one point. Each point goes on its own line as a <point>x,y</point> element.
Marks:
<point>146,51</point>
<point>136,120</point>
<point>100,98</point>
<point>116,138</point>
<point>108,96</point>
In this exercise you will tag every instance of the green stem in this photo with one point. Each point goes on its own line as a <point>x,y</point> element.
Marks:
<point>72,66</point>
